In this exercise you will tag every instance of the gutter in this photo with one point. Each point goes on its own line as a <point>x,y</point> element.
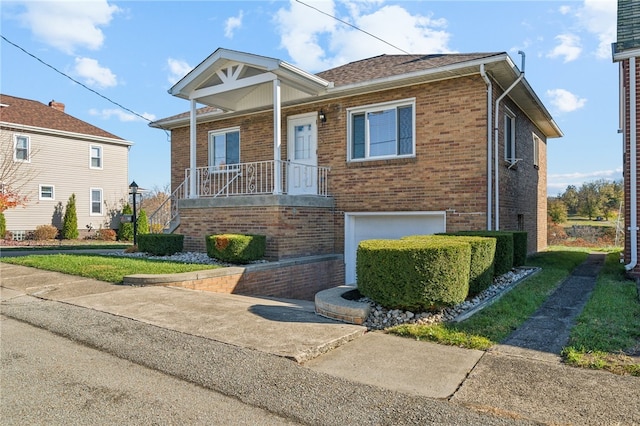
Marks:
<point>496,140</point>
<point>489,181</point>
<point>633,167</point>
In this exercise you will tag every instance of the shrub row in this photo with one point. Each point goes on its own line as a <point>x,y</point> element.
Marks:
<point>160,244</point>
<point>427,271</point>
<point>236,248</point>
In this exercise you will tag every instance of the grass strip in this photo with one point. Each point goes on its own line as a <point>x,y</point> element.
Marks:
<point>104,268</point>
<point>67,247</point>
<point>608,329</point>
<point>494,323</point>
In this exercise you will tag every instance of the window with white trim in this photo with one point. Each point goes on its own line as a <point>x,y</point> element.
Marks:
<point>382,131</point>
<point>510,137</point>
<point>96,202</point>
<point>536,150</point>
<point>46,192</point>
<point>224,148</point>
<point>21,148</point>
<point>95,157</point>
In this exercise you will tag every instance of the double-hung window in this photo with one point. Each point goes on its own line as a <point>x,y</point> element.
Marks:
<point>224,148</point>
<point>21,149</point>
<point>96,202</point>
<point>382,131</point>
<point>95,154</point>
<point>510,137</point>
<point>46,192</point>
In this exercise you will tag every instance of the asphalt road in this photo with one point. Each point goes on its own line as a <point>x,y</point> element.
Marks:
<point>50,380</point>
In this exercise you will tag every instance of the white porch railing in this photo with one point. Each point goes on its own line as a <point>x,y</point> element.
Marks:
<point>258,178</point>
<point>255,178</point>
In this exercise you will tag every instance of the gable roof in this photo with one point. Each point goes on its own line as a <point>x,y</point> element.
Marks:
<point>381,73</point>
<point>35,116</point>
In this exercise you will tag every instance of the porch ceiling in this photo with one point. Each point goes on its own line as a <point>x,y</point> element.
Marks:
<point>236,81</point>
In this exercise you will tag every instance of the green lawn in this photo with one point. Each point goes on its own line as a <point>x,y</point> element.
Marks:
<point>607,330</point>
<point>105,268</point>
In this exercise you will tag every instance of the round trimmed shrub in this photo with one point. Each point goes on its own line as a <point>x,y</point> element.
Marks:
<point>414,274</point>
<point>504,248</point>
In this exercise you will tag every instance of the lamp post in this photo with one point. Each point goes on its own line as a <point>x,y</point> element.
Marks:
<point>134,191</point>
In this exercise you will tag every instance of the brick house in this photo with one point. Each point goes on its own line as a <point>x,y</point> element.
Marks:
<point>384,147</point>
<point>626,52</point>
<point>50,155</point>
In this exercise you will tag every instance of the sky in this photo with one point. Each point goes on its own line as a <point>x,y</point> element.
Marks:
<point>128,54</point>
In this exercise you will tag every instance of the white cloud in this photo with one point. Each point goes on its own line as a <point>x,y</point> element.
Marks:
<point>565,101</point>
<point>120,115</point>
<point>94,74</point>
<point>599,17</point>
<point>68,25</point>
<point>316,42</point>
<point>569,47</point>
<point>177,69</point>
<point>558,182</point>
<point>232,24</point>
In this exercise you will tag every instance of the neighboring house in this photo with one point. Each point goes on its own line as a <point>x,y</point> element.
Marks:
<point>56,155</point>
<point>384,147</point>
<point>626,51</point>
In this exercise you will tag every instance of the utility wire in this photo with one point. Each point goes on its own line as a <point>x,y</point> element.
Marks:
<point>354,27</point>
<point>76,81</point>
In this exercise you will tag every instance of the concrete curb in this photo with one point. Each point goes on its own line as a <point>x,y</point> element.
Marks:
<point>331,304</point>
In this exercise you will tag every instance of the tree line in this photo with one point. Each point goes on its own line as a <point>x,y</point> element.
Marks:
<point>600,198</point>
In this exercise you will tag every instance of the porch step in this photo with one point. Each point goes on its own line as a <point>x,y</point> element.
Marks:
<point>331,304</point>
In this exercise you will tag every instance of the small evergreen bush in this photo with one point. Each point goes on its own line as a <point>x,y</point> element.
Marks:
<point>504,248</point>
<point>483,252</point>
<point>142,222</point>
<point>236,248</point>
<point>160,244</point>
<point>414,274</point>
<point>70,221</point>
<point>519,248</point>
<point>3,225</point>
<point>125,230</point>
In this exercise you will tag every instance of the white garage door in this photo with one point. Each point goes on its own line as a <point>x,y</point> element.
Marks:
<point>388,225</point>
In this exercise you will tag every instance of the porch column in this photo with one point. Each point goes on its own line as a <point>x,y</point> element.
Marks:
<point>277,137</point>
<point>193,189</point>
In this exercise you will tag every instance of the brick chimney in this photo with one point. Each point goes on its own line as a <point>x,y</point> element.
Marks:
<point>57,105</point>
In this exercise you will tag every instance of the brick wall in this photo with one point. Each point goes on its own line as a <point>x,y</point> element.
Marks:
<point>448,172</point>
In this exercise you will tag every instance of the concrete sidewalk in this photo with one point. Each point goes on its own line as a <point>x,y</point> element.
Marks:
<point>287,328</point>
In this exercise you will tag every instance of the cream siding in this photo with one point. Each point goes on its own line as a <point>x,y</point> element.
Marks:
<point>64,163</point>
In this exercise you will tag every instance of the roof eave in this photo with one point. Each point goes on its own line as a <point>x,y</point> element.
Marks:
<point>64,133</point>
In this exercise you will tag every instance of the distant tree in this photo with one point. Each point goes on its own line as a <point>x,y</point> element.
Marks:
<point>557,210</point>
<point>571,199</point>
<point>611,196</point>
<point>142,223</point>
<point>125,231</point>
<point>589,200</point>
<point>70,221</point>
<point>152,200</point>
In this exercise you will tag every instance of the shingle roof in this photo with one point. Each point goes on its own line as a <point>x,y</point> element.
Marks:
<point>378,67</point>
<point>27,112</point>
<point>392,65</point>
<point>628,25</point>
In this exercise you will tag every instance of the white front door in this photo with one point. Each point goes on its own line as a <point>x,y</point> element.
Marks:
<point>302,170</point>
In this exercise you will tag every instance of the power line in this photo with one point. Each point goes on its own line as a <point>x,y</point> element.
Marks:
<point>354,27</point>
<point>76,81</point>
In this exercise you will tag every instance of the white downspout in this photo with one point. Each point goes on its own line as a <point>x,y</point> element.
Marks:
<point>496,117</point>
<point>633,167</point>
<point>489,105</point>
<point>277,139</point>
<point>193,192</point>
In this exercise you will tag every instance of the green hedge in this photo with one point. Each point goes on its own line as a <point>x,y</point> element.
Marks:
<point>414,274</point>
<point>160,244</point>
<point>519,248</point>
<point>504,248</point>
<point>236,248</point>
<point>483,252</point>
